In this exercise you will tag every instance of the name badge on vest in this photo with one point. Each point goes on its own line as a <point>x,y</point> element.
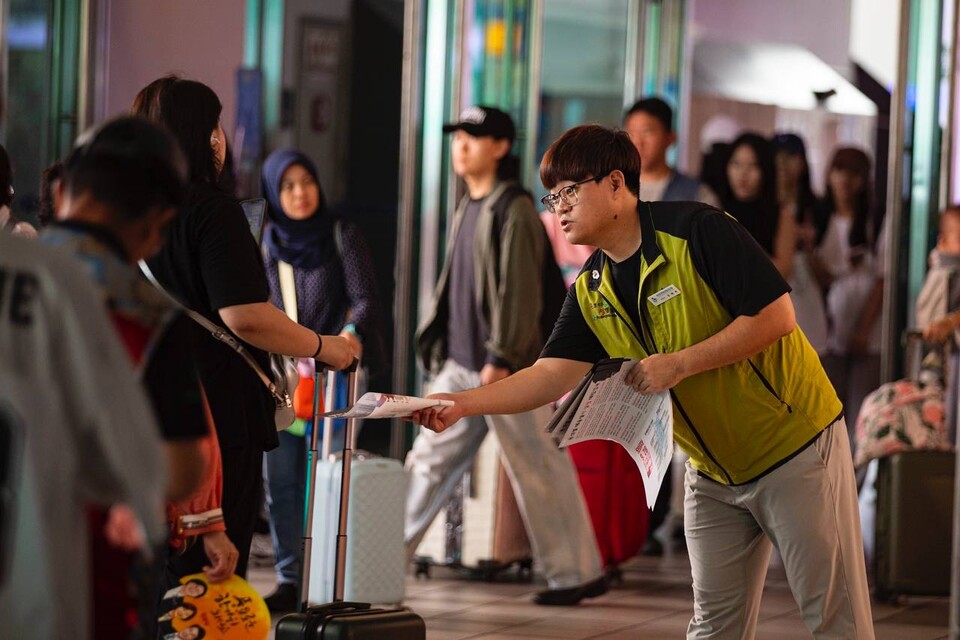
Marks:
<point>663,295</point>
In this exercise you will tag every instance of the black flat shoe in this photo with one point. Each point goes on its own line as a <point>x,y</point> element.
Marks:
<point>284,599</point>
<point>572,595</point>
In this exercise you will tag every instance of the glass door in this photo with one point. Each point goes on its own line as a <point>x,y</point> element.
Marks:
<point>577,88</point>
<point>41,49</point>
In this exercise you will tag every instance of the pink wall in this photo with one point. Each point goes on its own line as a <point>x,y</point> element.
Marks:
<point>822,26</point>
<point>199,39</point>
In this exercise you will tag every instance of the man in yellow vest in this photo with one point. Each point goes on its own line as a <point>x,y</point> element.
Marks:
<point>685,290</point>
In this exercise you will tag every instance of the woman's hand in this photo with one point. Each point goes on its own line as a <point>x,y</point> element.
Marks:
<point>222,554</point>
<point>336,352</point>
<point>939,330</point>
<point>354,341</point>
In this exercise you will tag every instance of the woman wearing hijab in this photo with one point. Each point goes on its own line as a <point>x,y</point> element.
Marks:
<point>336,292</point>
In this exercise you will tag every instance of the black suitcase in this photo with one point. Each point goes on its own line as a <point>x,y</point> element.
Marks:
<point>914,524</point>
<point>341,620</point>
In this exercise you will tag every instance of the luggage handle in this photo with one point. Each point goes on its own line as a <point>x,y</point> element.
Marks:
<point>340,568</point>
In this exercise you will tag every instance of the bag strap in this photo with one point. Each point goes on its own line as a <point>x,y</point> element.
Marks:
<point>288,289</point>
<point>217,332</point>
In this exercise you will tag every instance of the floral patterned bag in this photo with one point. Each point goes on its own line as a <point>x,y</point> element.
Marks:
<point>905,415</point>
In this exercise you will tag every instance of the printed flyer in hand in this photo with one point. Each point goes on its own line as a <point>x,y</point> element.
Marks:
<point>386,405</point>
<point>603,407</point>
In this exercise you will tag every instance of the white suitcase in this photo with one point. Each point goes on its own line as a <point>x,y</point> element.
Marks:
<point>375,566</point>
<point>375,560</point>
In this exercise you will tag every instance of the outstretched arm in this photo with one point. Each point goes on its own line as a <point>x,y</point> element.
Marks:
<point>535,386</point>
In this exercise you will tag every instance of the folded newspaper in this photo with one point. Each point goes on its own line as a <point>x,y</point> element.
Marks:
<point>386,405</point>
<point>602,406</point>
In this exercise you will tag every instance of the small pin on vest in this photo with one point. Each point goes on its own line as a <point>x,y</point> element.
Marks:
<point>595,274</point>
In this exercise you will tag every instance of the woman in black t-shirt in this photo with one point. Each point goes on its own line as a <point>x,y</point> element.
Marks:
<point>750,196</point>
<point>211,263</point>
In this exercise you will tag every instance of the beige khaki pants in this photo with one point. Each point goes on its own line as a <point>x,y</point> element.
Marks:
<point>807,508</point>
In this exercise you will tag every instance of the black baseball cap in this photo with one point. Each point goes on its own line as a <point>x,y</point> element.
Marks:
<point>483,121</point>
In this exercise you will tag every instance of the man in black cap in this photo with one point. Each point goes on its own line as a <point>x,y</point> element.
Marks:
<point>485,325</point>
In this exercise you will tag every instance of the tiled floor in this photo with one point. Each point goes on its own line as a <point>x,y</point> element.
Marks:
<point>654,602</point>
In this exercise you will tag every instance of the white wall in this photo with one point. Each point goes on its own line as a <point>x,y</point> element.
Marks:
<point>145,39</point>
<point>874,34</point>
<point>822,26</point>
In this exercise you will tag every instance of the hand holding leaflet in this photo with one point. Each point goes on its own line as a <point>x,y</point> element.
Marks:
<point>602,406</point>
<point>386,405</point>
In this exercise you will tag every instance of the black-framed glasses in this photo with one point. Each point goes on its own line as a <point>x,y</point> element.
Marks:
<point>568,195</point>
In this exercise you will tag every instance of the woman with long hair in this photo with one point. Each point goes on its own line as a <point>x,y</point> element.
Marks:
<point>849,257</point>
<point>334,291</point>
<point>211,263</point>
<point>795,196</point>
<point>750,196</point>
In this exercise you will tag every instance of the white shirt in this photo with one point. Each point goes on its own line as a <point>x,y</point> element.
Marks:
<point>653,190</point>
<point>852,284</point>
<point>87,436</point>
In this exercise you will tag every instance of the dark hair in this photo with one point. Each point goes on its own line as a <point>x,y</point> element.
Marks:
<point>654,107</point>
<point>591,150</point>
<point>760,216</point>
<point>50,175</point>
<point>866,226</point>
<point>187,605</point>
<point>227,180</point>
<point>128,164</point>
<point>764,154</point>
<point>6,178</point>
<point>197,581</point>
<point>201,632</point>
<point>792,144</point>
<point>191,111</point>
<point>147,103</point>
<point>713,166</point>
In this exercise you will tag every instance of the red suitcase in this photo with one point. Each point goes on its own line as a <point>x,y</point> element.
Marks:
<point>613,489</point>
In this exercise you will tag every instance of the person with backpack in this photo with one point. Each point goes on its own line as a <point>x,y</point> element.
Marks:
<point>484,325</point>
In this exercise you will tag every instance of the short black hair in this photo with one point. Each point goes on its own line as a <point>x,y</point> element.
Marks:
<point>591,150</point>
<point>656,108</point>
<point>50,175</point>
<point>191,111</point>
<point>128,164</point>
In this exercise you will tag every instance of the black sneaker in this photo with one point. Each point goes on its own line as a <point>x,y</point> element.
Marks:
<point>572,595</point>
<point>284,599</point>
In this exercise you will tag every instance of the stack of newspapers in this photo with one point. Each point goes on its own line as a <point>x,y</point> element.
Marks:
<point>603,407</point>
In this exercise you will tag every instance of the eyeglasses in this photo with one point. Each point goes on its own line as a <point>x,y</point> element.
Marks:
<point>568,195</point>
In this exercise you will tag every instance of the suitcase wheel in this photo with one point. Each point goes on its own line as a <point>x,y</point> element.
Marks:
<point>422,568</point>
<point>487,570</point>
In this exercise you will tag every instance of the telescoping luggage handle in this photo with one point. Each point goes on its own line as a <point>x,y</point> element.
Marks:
<point>349,436</point>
